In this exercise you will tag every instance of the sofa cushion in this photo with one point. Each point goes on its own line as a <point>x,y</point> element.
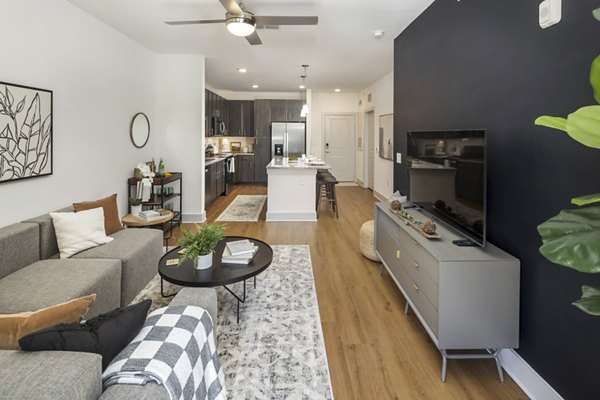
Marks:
<point>79,231</point>
<point>139,251</point>
<point>107,334</point>
<point>48,282</point>
<point>112,222</point>
<point>15,326</point>
<point>47,238</point>
<point>20,247</point>
<point>56,375</point>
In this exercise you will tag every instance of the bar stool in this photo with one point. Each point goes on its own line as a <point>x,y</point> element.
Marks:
<point>326,190</point>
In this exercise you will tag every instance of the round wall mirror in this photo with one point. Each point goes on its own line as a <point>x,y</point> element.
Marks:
<point>139,130</point>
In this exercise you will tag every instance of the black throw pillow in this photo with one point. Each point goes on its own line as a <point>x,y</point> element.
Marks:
<point>107,334</point>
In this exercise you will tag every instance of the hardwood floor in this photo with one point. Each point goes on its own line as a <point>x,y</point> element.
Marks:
<point>374,350</point>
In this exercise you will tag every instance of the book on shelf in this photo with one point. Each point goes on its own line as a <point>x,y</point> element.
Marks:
<point>239,247</point>
<point>244,258</point>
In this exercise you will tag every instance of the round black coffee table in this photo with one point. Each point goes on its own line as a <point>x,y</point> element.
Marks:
<point>220,274</point>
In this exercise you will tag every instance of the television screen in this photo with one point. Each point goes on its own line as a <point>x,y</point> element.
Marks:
<point>447,176</point>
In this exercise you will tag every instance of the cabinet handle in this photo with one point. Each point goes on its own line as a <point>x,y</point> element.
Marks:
<point>415,287</point>
<point>397,253</point>
<point>416,243</point>
<point>416,264</point>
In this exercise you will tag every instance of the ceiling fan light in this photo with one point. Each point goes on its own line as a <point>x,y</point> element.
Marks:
<point>241,26</point>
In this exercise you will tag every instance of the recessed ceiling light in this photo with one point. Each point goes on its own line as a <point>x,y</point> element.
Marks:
<point>242,70</point>
<point>337,90</point>
<point>302,87</point>
<point>255,86</point>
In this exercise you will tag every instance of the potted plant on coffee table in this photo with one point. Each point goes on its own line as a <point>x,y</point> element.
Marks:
<point>199,246</point>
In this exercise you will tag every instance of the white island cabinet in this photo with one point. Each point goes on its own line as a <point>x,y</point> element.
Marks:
<point>292,190</point>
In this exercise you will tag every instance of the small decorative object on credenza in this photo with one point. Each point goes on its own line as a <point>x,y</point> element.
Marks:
<point>25,132</point>
<point>426,228</point>
<point>200,245</point>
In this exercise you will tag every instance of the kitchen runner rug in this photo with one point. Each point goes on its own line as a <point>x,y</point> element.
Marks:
<point>277,350</point>
<point>244,208</point>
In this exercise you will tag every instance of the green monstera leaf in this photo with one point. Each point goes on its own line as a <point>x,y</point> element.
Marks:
<point>596,13</point>
<point>595,70</point>
<point>552,122</point>
<point>572,239</point>
<point>590,300</point>
<point>584,126</point>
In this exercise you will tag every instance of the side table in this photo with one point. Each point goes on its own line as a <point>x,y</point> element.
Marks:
<point>135,222</point>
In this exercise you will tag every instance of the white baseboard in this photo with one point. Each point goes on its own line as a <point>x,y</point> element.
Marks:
<point>379,196</point>
<point>528,380</point>
<point>291,216</point>
<point>194,218</point>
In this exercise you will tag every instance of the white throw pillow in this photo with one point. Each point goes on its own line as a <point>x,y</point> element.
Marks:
<point>77,231</point>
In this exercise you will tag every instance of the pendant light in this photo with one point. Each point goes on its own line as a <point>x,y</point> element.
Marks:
<point>304,111</point>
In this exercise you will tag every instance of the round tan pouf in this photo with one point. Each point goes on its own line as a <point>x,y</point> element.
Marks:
<point>367,245</point>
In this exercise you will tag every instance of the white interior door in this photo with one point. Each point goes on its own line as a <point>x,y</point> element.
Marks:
<point>338,143</point>
<point>371,148</point>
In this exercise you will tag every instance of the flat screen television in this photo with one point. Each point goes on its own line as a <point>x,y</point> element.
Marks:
<point>447,178</point>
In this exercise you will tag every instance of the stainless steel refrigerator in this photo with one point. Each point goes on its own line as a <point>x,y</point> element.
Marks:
<point>288,139</point>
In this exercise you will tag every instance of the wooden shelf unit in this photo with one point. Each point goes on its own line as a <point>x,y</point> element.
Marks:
<point>159,201</point>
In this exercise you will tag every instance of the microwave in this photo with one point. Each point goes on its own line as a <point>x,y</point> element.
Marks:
<point>218,126</point>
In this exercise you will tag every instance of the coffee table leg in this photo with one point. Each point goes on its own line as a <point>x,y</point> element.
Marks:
<point>239,300</point>
<point>254,281</point>
<point>162,293</point>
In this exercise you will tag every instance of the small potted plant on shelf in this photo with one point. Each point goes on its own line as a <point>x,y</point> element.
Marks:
<point>135,206</point>
<point>200,245</point>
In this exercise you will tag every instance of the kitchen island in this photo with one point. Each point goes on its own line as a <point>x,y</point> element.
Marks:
<point>292,190</point>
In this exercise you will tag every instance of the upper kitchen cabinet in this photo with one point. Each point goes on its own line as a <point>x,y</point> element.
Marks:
<point>279,110</point>
<point>293,110</point>
<point>262,118</point>
<point>241,118</point>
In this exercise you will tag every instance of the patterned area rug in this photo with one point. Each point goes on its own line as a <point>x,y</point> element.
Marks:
<point>244,208</point>
<point>277,350</point>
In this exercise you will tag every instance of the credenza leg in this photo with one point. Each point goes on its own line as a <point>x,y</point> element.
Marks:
<point>444,364</point>
<point>491,353</point>
<point>406,308</point>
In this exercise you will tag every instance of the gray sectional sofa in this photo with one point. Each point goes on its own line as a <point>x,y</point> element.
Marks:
<point>32,277</point>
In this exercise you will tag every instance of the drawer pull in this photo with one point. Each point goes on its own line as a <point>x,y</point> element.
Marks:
<point>417,243</point>
<point>397,253</point>
<point>416,264</point>
<point>415,287</point>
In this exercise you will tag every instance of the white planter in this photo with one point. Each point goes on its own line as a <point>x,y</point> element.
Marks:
<point>136,210</point>
<point>205,261</point>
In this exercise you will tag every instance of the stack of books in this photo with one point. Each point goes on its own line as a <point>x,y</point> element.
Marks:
<point>239,252</point>
<point>149,215</point>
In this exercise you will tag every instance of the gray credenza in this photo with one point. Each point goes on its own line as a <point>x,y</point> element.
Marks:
<point>467,298</point>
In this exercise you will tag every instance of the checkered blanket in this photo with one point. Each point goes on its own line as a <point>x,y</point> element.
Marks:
<point>175,348</point>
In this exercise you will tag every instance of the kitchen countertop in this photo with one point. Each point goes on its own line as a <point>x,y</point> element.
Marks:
<point>214,160</point>
<point>243,154</point>
<point>281,163</point>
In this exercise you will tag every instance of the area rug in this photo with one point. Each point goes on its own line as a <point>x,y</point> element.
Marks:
<point>244,208</point>
<point>277,350</point>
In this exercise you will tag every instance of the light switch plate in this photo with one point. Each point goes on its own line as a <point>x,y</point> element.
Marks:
<point>550,13</point>
<point>399,158</point>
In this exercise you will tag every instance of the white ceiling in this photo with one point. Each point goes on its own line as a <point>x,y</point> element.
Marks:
<point>341,50</point>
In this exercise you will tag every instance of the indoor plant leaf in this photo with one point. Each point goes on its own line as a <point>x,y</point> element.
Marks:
<point>572,239</point>
<point>552,122</point>
<point>596,13</point>
<point>590,300</point>
<point>585,200</point>
<point>584,126</point>
<point>595,71</point>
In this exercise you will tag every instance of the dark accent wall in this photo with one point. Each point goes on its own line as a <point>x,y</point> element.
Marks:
<point>488,64</point>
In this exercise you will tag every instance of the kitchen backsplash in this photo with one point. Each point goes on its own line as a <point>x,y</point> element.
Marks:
<point>223,143</point>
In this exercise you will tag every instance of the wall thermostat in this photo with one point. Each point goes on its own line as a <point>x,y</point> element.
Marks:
<point>550,13</point>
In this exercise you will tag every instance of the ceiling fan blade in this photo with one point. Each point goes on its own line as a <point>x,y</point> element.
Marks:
<point>197,21</point>
<point>232,7</point>
<point>253,39</point>
<point>282,20</point>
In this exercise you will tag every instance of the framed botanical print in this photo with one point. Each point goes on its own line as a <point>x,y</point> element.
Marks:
<point>25,132</point>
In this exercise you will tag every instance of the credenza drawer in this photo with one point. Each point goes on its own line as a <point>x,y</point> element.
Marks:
<point>417,269</point>
<point>423,306</point>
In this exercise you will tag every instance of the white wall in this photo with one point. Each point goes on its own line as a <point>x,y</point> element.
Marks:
<point>382,102</point>
<point>100,79</point>
<point>180,101</point>
<point>322,103</point>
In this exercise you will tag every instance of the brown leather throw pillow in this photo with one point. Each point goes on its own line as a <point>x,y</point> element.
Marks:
<point>112,222</point>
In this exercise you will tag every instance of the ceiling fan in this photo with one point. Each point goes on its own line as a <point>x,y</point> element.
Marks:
<point>242,22</point>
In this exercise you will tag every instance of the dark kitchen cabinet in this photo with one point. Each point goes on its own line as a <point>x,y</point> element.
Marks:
<point>214,181</point>
<point>244,169</point>
<point>262,118</point>
<point>241,118</point>
<point>262,156</point>
<point>279,110</point>
<point>293,110</point>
